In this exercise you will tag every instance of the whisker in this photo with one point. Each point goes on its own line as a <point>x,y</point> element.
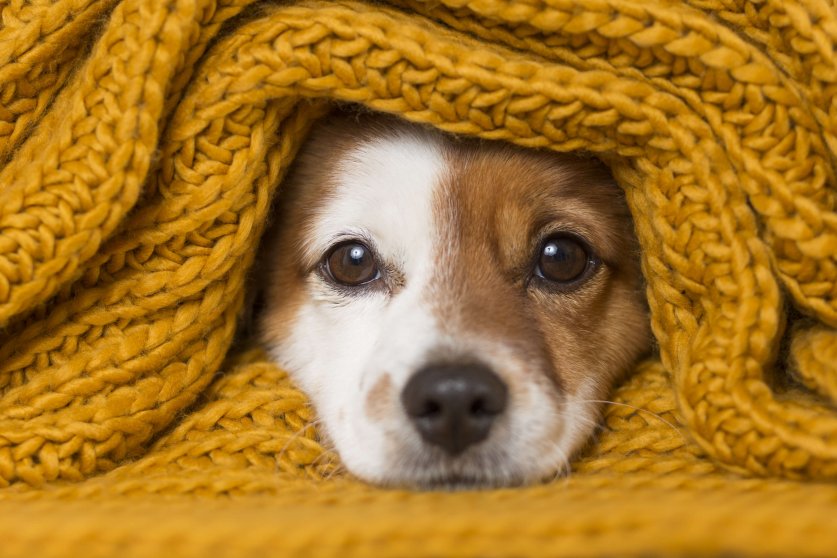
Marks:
<point>638,409</point>
<point>327,462</point>
<point>564,469</point>
<point>295,436</point>
<point>596,424</point>
<point>339,469</point>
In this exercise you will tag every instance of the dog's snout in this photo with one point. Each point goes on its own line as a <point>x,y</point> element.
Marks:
<point>454,406</point>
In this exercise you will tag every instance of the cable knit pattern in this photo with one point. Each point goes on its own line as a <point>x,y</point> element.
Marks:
<point>141,144</point>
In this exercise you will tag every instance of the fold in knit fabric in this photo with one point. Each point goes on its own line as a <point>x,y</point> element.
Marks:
<point>141,144</point>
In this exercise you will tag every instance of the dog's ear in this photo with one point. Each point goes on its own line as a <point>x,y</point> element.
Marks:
<point>247,320</point>
<point>246,330</point>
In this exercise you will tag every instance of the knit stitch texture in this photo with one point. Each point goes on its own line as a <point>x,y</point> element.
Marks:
<point>142,142</point>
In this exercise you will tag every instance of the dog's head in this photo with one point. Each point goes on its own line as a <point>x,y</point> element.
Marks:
<point>454,308</point>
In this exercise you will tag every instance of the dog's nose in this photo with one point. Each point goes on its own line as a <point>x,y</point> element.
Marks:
<point>454,406</point>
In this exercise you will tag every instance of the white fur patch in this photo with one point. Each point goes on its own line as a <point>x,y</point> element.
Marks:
<point>340,346</point>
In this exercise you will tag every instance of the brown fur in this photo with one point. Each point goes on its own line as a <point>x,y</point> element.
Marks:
<point>496,199</point>
<point>380,397</point>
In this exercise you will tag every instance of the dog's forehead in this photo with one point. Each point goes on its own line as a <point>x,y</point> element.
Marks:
<point>386,184</point>
<point>506,197</point>
<point>403,186</point>
<point>381,189</point>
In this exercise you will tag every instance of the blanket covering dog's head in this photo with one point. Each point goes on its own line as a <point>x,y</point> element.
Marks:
<point>141,143</point>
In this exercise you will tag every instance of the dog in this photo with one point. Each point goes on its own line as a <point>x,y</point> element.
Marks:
<point>455,308</point>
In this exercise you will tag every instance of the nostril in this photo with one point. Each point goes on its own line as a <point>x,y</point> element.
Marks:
<point>477,407</point>
<point>486,407</point>
<point>429,409</point>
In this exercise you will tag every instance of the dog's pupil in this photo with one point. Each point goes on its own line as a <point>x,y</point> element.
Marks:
<point>563,259</point>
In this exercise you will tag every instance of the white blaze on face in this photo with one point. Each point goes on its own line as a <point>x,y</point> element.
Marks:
<point>341,345</point>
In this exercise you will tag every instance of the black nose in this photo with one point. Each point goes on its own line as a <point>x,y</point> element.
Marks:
<point>454,406</point>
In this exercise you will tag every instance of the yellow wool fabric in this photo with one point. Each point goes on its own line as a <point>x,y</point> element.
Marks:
<point>141,144</point>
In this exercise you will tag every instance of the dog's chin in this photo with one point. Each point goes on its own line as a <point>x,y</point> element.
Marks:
<point>432,470</point>
<point>444,481</point>
<point>456,483</point>
<point>448,482</point>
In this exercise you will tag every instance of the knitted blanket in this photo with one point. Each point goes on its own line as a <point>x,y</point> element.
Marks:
<point>141,144</point>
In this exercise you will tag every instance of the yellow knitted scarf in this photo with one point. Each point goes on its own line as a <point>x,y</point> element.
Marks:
<point>141,143</point>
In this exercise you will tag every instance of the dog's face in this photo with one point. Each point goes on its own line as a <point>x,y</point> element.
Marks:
<point>455,309</point>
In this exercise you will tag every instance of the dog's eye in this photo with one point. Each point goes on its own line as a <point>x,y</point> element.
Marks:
<point>563,259</point>
<point>352,264</point>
